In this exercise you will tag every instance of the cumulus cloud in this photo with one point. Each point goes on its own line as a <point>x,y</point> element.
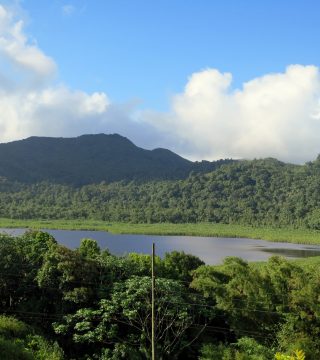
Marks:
<point>31,104</point>
<point>274,115</point>
<point>18,51</point>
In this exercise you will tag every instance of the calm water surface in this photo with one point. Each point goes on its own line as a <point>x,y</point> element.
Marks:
<point>211,250</point>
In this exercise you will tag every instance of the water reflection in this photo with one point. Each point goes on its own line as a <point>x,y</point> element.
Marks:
<point>293,253</point>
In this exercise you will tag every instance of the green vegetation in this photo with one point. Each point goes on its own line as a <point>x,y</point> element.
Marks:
<point>90,159</point>
<point>58,303</point>
<point>302,236</point>
<point>87,304</point>
<point>20,341</point>
<point>258,193</point>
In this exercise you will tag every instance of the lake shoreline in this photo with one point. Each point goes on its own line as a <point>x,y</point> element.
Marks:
<point>211,250</point>
<point>290,235</point>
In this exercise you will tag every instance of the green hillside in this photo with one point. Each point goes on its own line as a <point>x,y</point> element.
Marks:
<point>91,159</point>
<point>258,192</point>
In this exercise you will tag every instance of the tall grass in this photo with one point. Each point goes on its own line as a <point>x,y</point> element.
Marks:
<point>302,236</point>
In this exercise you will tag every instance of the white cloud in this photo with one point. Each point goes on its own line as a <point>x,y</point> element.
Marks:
<point>18,51</point>
<point>31,105</point>
<point>274,115</point>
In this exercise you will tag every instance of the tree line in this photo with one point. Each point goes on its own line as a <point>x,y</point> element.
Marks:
<point>257,192</point>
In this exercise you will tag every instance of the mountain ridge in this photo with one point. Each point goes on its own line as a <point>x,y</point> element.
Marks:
<point>92,158</point>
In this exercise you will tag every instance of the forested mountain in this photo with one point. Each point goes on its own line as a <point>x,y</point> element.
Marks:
<point>91,159</point>
<point>257,192</point>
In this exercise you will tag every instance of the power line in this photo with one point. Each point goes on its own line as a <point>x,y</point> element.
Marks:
<point>34,314</point>
<point>46,316</point>
<point>175,280</point>
<point>228,330</point>
<point>188,303</point>
<point>234,308</point>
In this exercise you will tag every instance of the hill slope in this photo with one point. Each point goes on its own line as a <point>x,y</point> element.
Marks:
<point>90,159</point>
<point>257,192</point>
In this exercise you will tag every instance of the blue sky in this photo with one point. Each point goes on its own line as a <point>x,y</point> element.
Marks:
<point>206,79</point>
<point>147,49</point>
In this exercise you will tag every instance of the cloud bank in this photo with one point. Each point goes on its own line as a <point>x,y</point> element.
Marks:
<point>31,103</point>
<point>274,115</point>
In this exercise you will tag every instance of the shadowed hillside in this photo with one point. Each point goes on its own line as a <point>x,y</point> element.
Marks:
<point>91,159</point>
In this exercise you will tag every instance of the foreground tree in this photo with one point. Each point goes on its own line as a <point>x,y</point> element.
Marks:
<point>124,321</point>
<point>20,341</point>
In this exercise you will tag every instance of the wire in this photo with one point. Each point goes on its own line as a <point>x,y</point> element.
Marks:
<point>228,330</point>
<point>46,316</point>
<point>189,303</point>
<point>99,283</point>
<point>34,314</point>
<point>234,308</point>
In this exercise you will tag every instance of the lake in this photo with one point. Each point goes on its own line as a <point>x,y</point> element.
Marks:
<point>212,250</point>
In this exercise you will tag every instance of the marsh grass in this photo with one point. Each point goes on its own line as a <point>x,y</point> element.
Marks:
<point>302,236</point>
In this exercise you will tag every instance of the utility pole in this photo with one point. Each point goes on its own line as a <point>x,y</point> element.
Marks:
<point>152,304</point>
